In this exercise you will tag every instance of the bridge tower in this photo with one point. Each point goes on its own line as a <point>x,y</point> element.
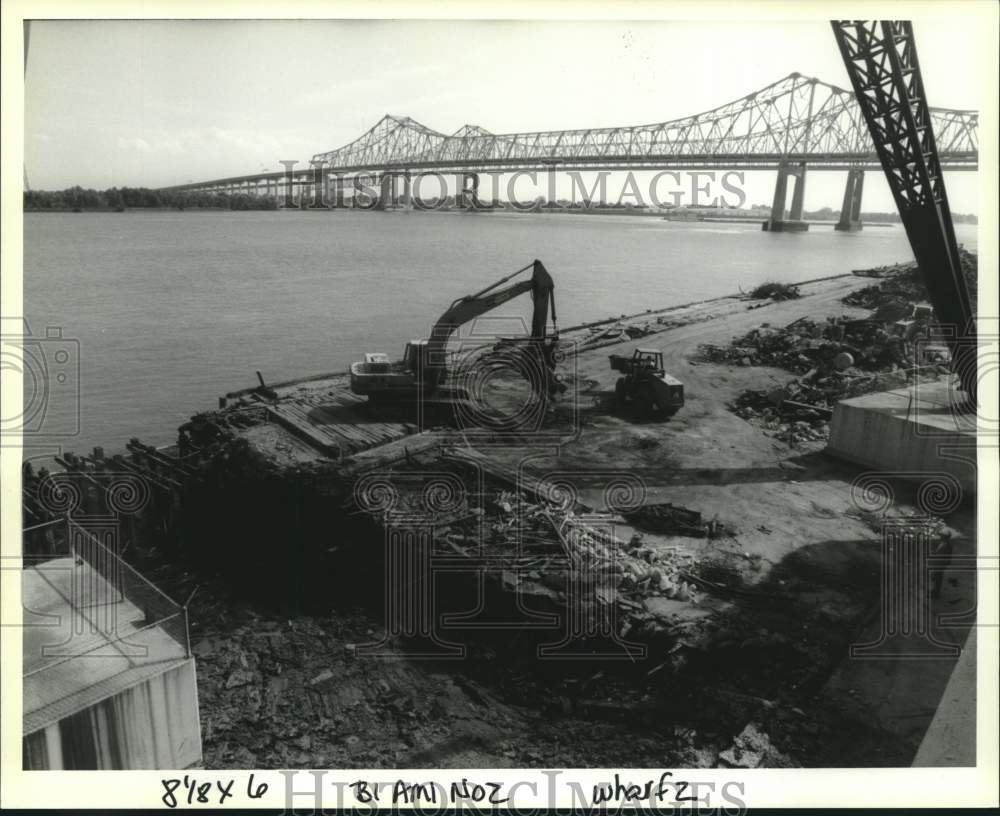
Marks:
<point>850,212</point>
<point>777,222</point>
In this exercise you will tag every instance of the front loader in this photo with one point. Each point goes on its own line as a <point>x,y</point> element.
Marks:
<point>645,384</point>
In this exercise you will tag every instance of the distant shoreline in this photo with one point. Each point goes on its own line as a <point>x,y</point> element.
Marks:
<point>686,216</point>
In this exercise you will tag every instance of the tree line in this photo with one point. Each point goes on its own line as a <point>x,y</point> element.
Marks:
<point>78,199</point>
<point>828,214</point>
<point>119,199</point>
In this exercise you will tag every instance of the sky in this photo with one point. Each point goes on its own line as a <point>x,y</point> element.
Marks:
<point>155,103</point>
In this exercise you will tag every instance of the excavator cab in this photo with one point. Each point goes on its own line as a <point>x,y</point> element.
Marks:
<point>424,368</point>
<point>416,359</point>
<point>414,355</point>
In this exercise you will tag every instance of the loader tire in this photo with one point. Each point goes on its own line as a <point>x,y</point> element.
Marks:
<point>621,390</point>
<point>646,400</point>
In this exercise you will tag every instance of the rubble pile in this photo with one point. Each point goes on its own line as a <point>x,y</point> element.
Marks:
<point>814,348</point>
<point>805,418</point>
<point>280,691</point>
<point>901,286</point>
<point>842,357</point>
<point>801,411</point>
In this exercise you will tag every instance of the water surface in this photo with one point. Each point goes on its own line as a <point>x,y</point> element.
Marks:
<point>172,309</point>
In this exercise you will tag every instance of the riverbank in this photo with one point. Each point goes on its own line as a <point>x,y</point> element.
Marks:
<point>744,626</point>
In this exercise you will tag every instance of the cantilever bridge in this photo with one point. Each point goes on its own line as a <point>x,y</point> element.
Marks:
<point>796,118</point>
<point>794,123</point>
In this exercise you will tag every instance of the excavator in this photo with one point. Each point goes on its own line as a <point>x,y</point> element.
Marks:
<point>422,372</point>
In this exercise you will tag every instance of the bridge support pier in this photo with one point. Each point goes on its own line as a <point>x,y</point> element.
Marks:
<point>339,185</point>
<point>314,194</point>
<point>300,192</point>
<point>305,194</point>
<point>850,212</point>
<point>387,198</point>
<point>386,185</point>
<point>405,198</point>
<point>468,196</point>
<point>777,221</point>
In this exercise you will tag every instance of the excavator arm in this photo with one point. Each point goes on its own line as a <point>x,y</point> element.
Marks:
<point>472,306</point>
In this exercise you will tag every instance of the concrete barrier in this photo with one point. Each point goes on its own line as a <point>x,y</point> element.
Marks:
<point>909,433</point>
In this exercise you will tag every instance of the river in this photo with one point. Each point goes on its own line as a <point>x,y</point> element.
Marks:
<point>165,311</point>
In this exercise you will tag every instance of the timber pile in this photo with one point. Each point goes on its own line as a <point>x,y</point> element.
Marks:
<point>673,520</point>
<point>554,553</point>
<point>617,333</point>
<point>140,488</point>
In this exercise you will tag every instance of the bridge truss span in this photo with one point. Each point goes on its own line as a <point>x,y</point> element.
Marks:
<point>797,118</point>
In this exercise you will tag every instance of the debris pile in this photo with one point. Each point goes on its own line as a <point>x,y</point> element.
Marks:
<point>814,348</point>
<point>775,291</point>
<point>753,749</point>
<point>801,417</point>
<point>901,285</point>
<point>884,271</point>
<point>674,520</point>
<point>843,357</point>
<point>801,410</point>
